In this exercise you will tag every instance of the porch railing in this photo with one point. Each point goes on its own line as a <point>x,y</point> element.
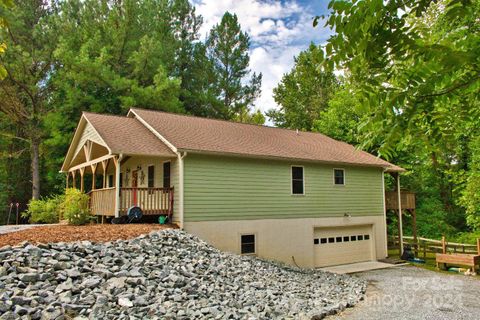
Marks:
<point>152,201</point>
<point>102,202</point>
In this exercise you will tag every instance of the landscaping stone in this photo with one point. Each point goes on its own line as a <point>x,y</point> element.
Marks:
<point>164,275</point>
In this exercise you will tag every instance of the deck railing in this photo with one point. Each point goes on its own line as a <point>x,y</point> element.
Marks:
<point>152,201</point>
<point>408,200</point>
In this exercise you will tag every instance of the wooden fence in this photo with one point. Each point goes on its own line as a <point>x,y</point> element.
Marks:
<point>423,246</point>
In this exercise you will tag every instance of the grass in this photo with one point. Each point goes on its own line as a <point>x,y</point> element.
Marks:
<point>429,264</point>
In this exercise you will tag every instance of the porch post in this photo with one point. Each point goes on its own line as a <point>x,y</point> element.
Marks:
<point>68,177</point>
<point>82,171</point>
<point>94,170</point>
<point>104,166</point>
<point>400,223</point>
<point>117,161</point>
<point>74,182</point>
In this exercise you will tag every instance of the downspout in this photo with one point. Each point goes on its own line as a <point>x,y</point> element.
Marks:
<point>400,222</point>
<point>117,186</point>
<point>180,187</point>
<point>385,211</point>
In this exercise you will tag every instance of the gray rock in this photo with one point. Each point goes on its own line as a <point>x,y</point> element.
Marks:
<point>125,302</point>
<point>164,275</point>
<point>28,277</point>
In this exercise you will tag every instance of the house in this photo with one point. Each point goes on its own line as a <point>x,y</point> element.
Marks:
<point>297,197</point>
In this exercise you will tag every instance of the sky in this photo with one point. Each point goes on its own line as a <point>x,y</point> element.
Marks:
<point>278,30</point>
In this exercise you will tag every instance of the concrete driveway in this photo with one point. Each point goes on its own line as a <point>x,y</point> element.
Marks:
<point>408,292</point>
<point>13,228</point>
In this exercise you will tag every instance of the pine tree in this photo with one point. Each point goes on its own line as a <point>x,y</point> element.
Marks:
<point>227,48</point>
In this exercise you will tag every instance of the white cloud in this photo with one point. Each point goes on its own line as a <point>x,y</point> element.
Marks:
<point>278,31</point>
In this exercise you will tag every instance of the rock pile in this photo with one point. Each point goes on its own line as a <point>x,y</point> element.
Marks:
<point>164,275</point>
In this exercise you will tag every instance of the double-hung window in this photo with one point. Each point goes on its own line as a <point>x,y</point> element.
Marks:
<point>339,177</point>
<point>298,184</point>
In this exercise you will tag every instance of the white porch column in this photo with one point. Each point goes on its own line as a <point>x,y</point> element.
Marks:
<point>400,223</point>
<point>117,161</point>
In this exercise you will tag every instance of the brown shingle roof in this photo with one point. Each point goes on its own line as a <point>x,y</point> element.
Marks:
<point>218,136</point>
<point>127,135</point>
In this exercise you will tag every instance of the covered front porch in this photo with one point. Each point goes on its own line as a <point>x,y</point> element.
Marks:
<point>114,187</point>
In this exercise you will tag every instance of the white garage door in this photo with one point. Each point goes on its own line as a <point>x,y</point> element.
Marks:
<point>342,245</point>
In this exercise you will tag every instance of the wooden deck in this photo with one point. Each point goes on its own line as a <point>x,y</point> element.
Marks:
<point>152,201</point>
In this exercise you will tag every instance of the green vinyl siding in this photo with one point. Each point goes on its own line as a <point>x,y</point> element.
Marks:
<point>227,188</point>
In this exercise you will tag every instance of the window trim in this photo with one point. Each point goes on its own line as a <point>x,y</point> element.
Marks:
<point>344,177</point>
<point>291,180</point>
<point>254,234</point>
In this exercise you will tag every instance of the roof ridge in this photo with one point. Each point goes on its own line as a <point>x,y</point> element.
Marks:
<point>259,126</point>
<point>233,122</point>
<point>106,114</point>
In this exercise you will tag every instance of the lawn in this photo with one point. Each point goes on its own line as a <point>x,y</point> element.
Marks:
<point>429,264</point>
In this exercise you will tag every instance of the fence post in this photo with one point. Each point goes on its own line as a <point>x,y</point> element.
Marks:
<point>424,249</point>
<point>444,245</point>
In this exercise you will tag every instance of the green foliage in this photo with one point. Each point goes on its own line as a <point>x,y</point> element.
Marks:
<point>24,93</point>
<point>4,5</point>
<point>467,237</point>
<point>304,92</point>
<point>75,207</point>
<point>227,49</point>
<point>470,198</point>
<point>416,63</point>
<point>341,117</point>
<point>47,210</point>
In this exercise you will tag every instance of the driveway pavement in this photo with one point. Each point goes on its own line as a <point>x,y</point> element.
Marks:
<point>13,228</point>
<point>408,292</point>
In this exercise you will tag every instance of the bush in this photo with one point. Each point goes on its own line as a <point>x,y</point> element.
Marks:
<point>75,207</point>
<point>44,210</point>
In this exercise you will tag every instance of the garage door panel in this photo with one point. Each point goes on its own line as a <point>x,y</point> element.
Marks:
<point>359,246</point>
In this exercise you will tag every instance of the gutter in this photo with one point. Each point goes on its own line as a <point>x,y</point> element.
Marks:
<point>181,175</point>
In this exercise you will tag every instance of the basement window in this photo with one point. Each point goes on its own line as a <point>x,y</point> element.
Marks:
<point>297,180</point>
<point>339,177</point>
<point>247,244</point>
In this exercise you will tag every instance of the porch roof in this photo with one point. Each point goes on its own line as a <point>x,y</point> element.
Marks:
<point>127,136</point>
<point>119,135</point>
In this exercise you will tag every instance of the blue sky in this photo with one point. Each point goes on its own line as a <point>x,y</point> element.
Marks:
<point>279,30</point>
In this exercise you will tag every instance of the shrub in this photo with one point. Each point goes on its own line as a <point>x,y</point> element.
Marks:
<point>75,207</point>
<point>44,210</point>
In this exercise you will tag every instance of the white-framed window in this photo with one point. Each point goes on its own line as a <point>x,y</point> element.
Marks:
<point>247,244</point>
<point>298,181</point>
<point>339,177</point>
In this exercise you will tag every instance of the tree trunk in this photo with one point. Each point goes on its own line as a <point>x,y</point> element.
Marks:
<point>35,168</point>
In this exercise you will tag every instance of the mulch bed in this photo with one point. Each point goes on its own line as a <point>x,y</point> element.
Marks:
<point>66,233</point>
